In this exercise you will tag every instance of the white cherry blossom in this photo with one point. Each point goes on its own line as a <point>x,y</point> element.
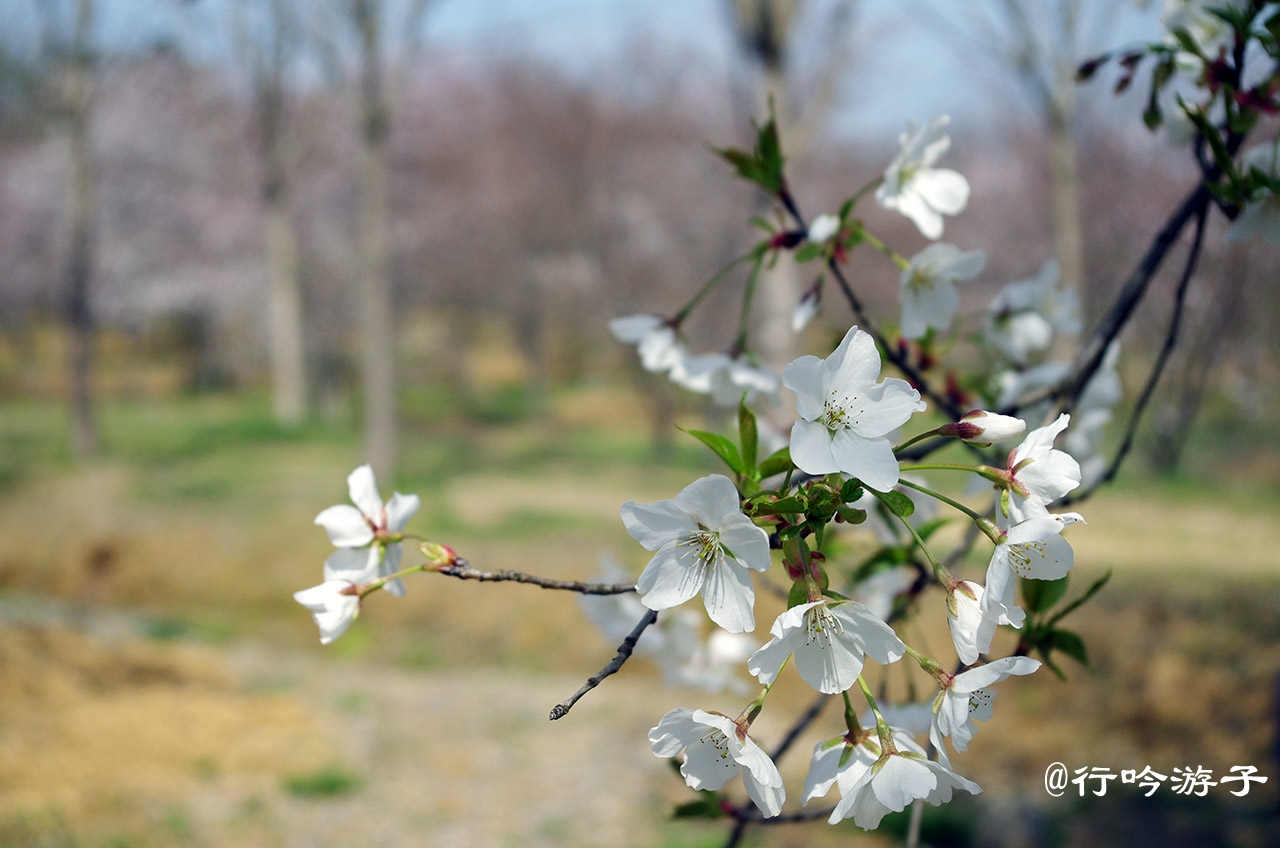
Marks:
<point>1039,474</point>
<point>966,698</point>
<point>971,629</point>
<point>704,545</point>
<point>726,379</point>
<point>928,286</point>
<point>893,781</point>
<point>830,641</point>
<point>716,749</point>
<point>845,415</point>
<point>806,308</point>
<point>367,535</point>
<point>1032,548</point>
<point>655,338</point>
<point>921,192</point>
<point>334,604</point>
<point>1024,316</point>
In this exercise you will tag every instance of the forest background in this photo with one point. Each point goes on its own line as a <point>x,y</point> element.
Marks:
<point>198,204</point>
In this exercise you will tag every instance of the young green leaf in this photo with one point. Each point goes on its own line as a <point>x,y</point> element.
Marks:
<point>748,434</point>
<point>777,462</point>
<point>723,448</point>
<point>1041,595</point>
<point>896,502</point>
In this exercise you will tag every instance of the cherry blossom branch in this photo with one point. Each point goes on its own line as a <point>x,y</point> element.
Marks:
<point>624,652</point>
<point>462,569</point>
<point>891,352</point>
<point>1157,369</point>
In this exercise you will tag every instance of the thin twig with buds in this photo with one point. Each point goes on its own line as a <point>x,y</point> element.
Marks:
<point>624,652</point>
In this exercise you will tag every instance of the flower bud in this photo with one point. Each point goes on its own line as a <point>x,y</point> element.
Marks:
<point>823,227</point>
<point>984,428</point>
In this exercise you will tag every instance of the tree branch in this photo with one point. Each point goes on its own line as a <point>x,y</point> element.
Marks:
<point>624,652</point>
<point>462,569</point>
<point>1170,342</point>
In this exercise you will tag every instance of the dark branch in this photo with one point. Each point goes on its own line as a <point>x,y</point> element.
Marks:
<point>462,569</point>
<point>624,652</point>
<point>1170,342</point>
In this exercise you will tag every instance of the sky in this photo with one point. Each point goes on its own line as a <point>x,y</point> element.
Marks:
<point>906,61</point>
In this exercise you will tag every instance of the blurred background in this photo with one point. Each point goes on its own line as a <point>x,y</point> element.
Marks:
<point>247,245</point>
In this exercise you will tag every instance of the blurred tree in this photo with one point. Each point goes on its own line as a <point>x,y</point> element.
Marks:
<point>374,275</point>
<point>1042,42</point>
<point>71,70</point>
<point>765,34</point>
<point>267,43</point>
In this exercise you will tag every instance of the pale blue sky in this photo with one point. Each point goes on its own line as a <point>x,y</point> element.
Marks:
<point>903,66</point>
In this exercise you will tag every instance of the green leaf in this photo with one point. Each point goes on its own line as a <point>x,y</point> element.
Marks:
<point>748,434</point>
<point>723,448</point>
<point>851,515</point>
<point>851,490</point>
<point>896,502</point>
<point>1093,589</point>
<point>1041,595</point>
<point>763,165</point>
<point>808,252</point>
<point>1188,43</point>
<point>776,463</point>
<point>797,595</point>
<point>782,506</point>
<point>706,807</point>
<point>1070,644</point>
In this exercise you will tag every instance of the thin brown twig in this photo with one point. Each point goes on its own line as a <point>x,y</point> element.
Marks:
<point>624,652</point>
<point>462,569</point>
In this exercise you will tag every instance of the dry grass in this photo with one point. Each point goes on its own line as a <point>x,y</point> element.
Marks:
<point>425,725</point>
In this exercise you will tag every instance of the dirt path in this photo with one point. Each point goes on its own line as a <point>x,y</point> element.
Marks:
<point>107,736</point>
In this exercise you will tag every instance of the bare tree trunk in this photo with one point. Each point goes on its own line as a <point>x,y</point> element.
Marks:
<point>1064,193</point>
<point>79,268</point>
<point>269,54</point>
<point>374,282</point>
<point>288,360</point>
<point>1064,165</point>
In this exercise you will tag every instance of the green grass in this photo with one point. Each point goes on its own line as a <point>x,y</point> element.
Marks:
<point>329,782</point>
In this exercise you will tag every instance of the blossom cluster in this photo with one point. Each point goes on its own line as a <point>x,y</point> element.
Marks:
<point>843,466</point>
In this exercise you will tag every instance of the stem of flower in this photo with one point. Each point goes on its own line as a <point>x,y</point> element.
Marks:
<point>374,585</point>
<point>984,524</point>
<point>747,297</point>
<point>894,257</point>
<point>709,285</point>
<point>752,711</point>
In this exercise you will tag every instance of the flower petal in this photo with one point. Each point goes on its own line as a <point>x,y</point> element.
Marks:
<point>346,526</point>
<point>364,493</point>
<point>656,524</point>
<point>399,510</point>
<point>870,460</point>
<point>729,596</point>
<point>811,448</point>
<point>667,581</point>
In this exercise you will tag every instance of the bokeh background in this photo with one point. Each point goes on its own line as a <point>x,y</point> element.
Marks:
<point>201,201</point>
